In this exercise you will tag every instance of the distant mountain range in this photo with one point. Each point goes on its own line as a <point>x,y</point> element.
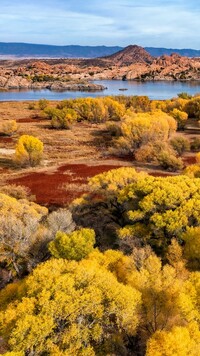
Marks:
<point>46,51</point>
<point>27,50</point>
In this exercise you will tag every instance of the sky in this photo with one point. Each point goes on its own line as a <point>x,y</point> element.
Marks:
<point>155,23</point>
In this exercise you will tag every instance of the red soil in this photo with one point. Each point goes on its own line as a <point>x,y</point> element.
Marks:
<point>189,160</point>
<point>51,188</point>
<point>5,139</point>
<point>30,119</point>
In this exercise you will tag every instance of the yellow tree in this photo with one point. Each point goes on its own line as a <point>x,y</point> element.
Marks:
<point>73,246</point>
<point>180,341</point>
<point>29,150</point>
<point>69,308</point>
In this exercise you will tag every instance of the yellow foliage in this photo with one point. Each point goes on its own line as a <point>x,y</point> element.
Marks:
<point>180,341</point>
<point>73,246</point>
<point>68,307</point>
<point>9,127</point>
<point>29,150</point>
<point>198,158</point>
<point>115,179</point>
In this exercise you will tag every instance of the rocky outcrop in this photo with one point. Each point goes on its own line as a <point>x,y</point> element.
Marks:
<point>132,63</point>
<point>76,87</point>
<point>17,82</point>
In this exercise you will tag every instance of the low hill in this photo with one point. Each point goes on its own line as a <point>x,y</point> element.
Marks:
<point>130,55</point>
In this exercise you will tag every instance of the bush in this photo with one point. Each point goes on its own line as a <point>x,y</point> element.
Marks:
<point>193,108</point>
<point>195,144</point>
<point>150,151</point>
<point>170,162</point>
<point>192,171</point>
<point>184,95</point>
<point>61,119</point>
<point>31,106</point>
<point>181,118</point>
<point>29,151</point>
<point>17,191</point>
<point>180,144</point>
<point>60,220</point>
<point>43,103</point>
<point>9,127</point>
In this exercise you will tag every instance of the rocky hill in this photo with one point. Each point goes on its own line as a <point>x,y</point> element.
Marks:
<point>130,55</point>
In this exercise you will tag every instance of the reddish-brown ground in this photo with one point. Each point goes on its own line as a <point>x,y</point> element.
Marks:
<point>30,119</point>
<point>4,139</point>
<point>189,160</point>
<point>61,186</point>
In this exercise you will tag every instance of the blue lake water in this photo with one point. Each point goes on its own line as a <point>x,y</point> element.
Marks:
<point>154,90</point>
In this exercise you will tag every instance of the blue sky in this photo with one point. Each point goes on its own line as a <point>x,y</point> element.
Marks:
<point>157,23</point>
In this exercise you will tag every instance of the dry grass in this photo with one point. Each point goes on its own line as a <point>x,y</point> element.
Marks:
<point>84,143</point>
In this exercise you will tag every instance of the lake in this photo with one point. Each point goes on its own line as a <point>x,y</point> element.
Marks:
<point>154,90</point>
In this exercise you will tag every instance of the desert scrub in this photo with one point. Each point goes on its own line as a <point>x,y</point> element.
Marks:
<point>29,151</point>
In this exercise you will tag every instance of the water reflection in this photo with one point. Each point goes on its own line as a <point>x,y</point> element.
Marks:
<point>154,90</point>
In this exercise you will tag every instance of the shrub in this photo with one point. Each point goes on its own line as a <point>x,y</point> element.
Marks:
<point>61,119</point>
<point>29,151</point>
<point>169,161</point>
<point>193,108</point>
<point>9,127</point>
<point>31,106</point>
<point>43,103</point>
<point>195,144</point>
<point>184,95</point>
<point>180,144</point>
<point>192,171</point>
<point>17,191</point>
<point>150,151</point>
<point>181,118</point>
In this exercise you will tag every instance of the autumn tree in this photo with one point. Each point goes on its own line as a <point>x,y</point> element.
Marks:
<point>150,209</point>
<point>179,341</point>
<point>73,246</point>
<point>191,249</point>
<point>29,150</point>
<point>69,308</point>
<point>20,228</point>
